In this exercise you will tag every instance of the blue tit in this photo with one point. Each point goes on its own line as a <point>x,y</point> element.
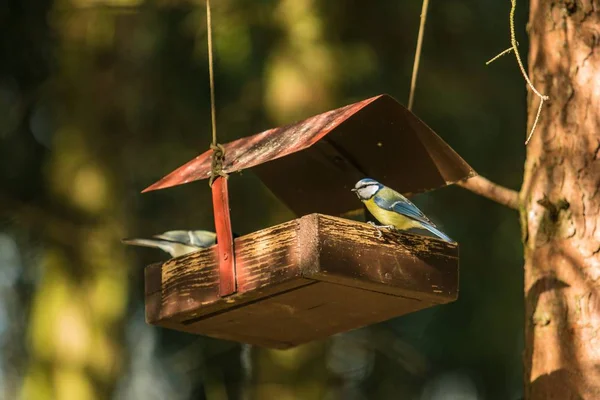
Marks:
<point>392,209</point>
<point>177,243</point>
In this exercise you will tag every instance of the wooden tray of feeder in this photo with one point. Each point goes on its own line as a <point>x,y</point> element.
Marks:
<point>303,280</point>
<point>317,275</point>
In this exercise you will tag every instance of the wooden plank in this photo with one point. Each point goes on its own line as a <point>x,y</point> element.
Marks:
<point>309,313</point>
<point>153,291</point>
<point>402,264</point>
<point>220,198</point>
<point>189,285</point>
<point>303,280</point>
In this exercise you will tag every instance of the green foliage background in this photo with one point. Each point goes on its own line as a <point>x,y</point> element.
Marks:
<point>98,99</point>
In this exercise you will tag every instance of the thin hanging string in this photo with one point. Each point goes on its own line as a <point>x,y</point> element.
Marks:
<point>218,155</point>
<point>413,81</point>
<point>513,43</point>
<point>514,48</point>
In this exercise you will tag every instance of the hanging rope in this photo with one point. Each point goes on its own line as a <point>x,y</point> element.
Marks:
<point>513,47</point>
<point>413,81</point>
<point>513,43</point>
<point>218,155</point>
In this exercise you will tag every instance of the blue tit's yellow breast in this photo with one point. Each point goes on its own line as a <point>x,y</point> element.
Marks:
<point>386,217</point>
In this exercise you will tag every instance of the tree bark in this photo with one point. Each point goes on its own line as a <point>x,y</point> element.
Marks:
<point>561,204</point>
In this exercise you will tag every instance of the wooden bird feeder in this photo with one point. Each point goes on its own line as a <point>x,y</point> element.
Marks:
<point>317,275</point>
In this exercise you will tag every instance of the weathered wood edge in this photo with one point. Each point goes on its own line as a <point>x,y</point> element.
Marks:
<point>242,299</point>
<point>155,275</point>
<point>152,291</point>
<point>419,246</point>
<point>408,294</point>
<point>308,245</point>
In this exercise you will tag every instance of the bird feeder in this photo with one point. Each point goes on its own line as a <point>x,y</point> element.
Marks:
<point>320,274</point>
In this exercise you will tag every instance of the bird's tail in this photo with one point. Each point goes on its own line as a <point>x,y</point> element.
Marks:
<point>438,233</point>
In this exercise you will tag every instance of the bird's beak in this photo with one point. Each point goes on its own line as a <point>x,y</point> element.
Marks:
<point>353,190</point>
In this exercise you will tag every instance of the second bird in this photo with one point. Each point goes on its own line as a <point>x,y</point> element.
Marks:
<point>177,243</point>
<point>392,209</point>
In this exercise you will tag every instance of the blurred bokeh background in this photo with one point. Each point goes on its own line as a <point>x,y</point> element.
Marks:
<point>100,98</point>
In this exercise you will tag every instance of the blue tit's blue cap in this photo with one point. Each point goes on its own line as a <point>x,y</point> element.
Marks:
<point>366,182</point>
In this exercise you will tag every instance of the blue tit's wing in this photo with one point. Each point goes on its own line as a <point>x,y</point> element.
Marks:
<point>173,248</point>
<point>391,200</point>
<point>179,236</point>
<point>201,239</point>
<point>407,208</point>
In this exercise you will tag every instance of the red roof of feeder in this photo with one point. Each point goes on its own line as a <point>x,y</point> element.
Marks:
<point>265,146</point>
<point>328,153</point>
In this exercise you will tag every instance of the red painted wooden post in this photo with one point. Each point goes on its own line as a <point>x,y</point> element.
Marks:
<point>220,197</point>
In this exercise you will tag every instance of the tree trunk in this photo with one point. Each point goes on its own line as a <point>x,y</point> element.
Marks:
<point>561,204</point>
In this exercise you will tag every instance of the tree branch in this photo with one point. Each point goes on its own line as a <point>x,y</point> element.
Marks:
<point>483,187</point>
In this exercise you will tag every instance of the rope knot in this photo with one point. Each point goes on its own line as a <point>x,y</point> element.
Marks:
<point>217,159</point>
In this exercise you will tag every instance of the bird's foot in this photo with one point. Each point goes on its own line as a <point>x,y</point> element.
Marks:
<point>381,227</point>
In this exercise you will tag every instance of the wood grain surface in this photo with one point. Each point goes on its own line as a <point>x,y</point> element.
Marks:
<point>303,280</point>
